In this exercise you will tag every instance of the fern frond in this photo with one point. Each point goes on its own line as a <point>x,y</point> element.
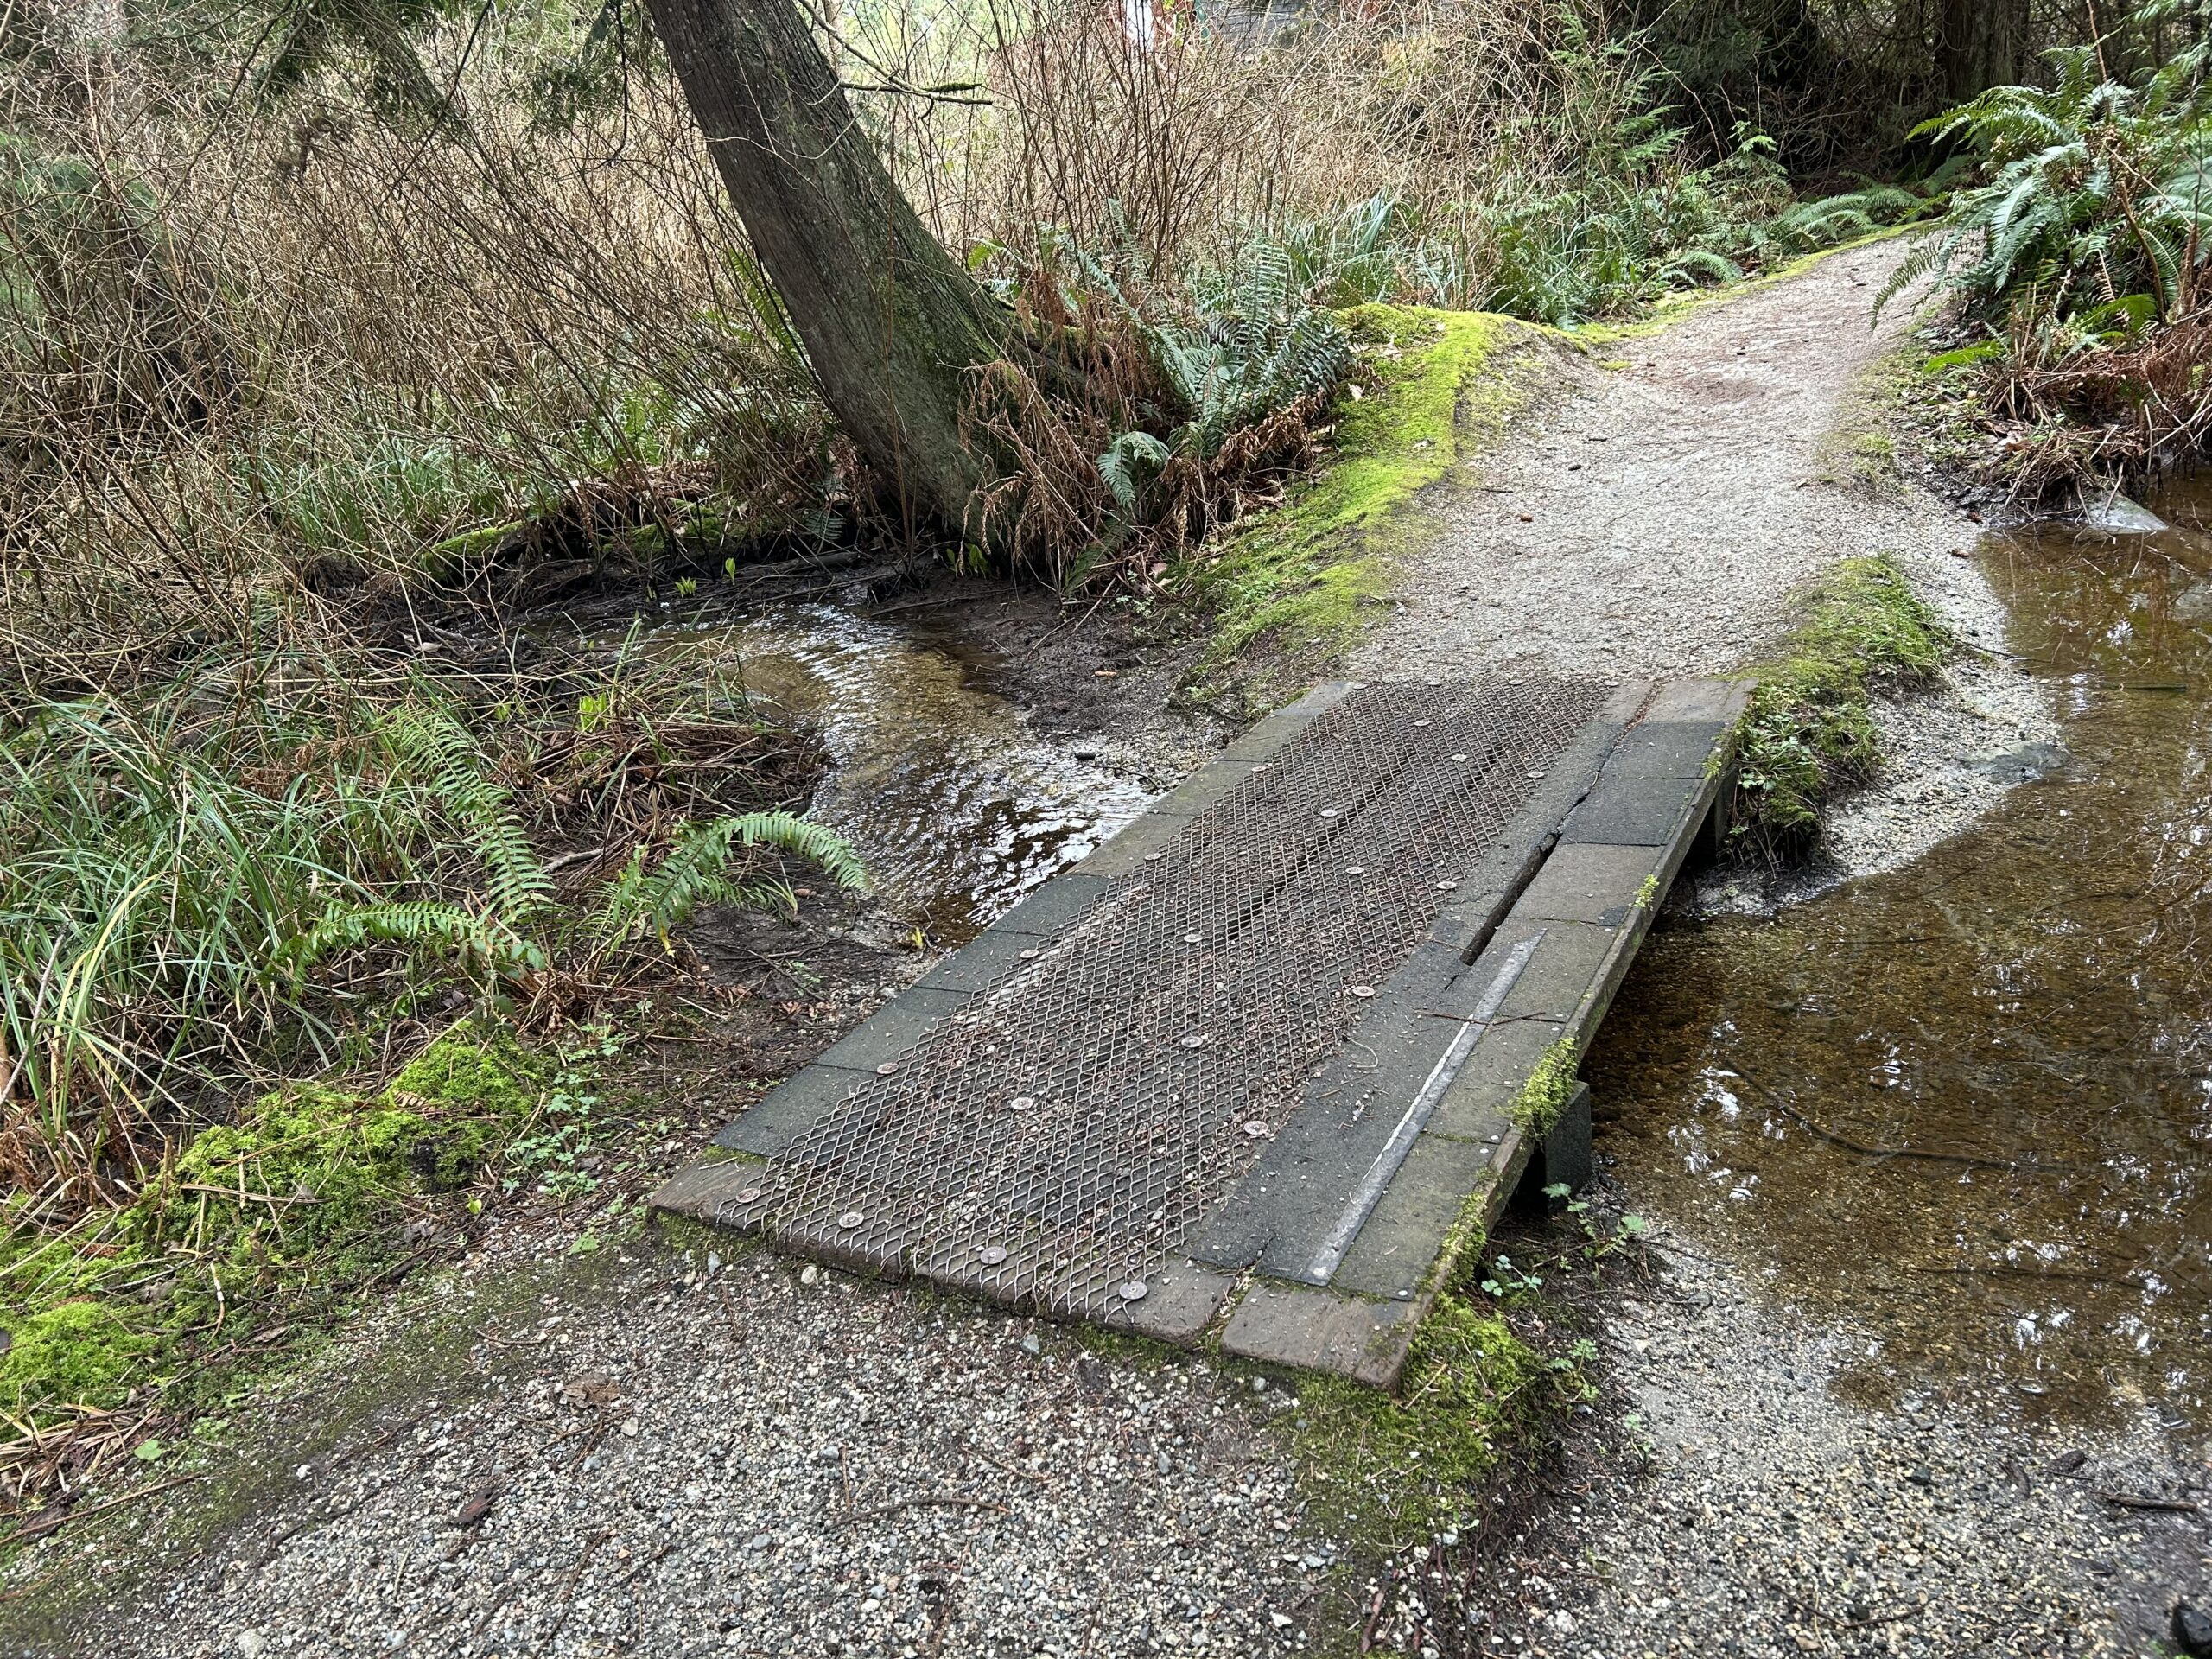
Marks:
<point>430,741</point>
<point>443,928</point>
<point>695,872</point>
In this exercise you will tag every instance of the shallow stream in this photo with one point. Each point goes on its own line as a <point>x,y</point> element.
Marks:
<point>1964,1108</point>
<point>958,805</point>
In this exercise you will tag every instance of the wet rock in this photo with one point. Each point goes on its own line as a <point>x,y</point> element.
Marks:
<point>2192,1630</point>
<point>2116,515</point>
<point>2022,764</point>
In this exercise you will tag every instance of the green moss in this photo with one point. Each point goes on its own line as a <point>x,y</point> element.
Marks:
<point>1293,586</point>
<point>73,1353</point>
<point>1549,1087</point>
<point>302,1193</point>
<point>1384,1471</point>
<point>1809,734</point>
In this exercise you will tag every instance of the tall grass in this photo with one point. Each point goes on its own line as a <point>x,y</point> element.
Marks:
<point>232,878</point>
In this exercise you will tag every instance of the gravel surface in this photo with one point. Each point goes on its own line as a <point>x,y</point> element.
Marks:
<point>767,1458</point>
<point>1772,1518</point>
<point>621,1455</point>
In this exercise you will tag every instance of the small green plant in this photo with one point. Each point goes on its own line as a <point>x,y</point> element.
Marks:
<point>686,587</point>
<point>1505,1282</point>
<point>1599,1242</point>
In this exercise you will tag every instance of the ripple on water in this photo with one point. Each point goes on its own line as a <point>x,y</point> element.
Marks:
<point>1966,1106</point>
<point>957,805</point>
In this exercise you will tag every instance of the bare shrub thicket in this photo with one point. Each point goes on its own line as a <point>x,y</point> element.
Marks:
<point>1189,147</point>
<point>246,348</point>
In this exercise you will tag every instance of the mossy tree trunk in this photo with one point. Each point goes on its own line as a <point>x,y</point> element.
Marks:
<point>893,326</point>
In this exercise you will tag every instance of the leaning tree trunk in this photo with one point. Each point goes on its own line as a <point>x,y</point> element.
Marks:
<point>891,323</point>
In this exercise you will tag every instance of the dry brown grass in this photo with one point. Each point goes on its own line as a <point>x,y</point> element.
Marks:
<point>236,345</point>
<point>2105,412</point>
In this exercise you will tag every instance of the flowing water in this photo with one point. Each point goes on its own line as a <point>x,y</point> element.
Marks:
<point>955,803</point>
<point>1965,1108</point>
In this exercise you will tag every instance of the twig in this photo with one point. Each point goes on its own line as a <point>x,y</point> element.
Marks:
<point>1972,1160</point>
<point>284,1536</point>
<point>22,1533</point>
<point>245,1197</point>
<point>736,1324</point>
<point>2137,1501</point>
<point>490,1335</point>
<point>1897,1618</point>
<point>1007,1468</point>
<point>1999,1270</point>
<point>569,1590</point>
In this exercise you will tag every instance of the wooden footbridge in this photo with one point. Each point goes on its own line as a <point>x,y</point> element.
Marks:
<point>1269,1059</point>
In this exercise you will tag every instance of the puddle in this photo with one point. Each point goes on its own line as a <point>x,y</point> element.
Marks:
<point>957,804</point>
<point>1966,1107</point>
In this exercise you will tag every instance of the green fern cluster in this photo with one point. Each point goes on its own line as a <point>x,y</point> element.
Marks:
<point>184,898</point>
<point>1259,344</point>
<point>2095,191</point>
<point>1253,341</point>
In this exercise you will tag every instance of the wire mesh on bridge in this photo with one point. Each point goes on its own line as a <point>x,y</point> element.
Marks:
<point>1053,1141</point>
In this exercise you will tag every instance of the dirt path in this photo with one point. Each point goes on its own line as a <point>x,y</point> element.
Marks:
<point>563,1451</point>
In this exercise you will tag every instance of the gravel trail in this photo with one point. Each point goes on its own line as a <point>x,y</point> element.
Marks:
<point>1654,511</point>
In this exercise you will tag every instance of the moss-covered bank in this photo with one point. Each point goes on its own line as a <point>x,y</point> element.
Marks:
<point>307,1195</point>
<point>1289,588</point>
<point>1809,732</point>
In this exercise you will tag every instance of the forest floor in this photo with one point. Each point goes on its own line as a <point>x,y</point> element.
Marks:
<point>582,1439</point>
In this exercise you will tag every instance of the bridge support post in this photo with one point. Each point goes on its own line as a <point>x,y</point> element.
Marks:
<point>1563,1158</point>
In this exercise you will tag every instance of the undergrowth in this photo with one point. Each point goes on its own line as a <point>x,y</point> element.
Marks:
<point>2077,263</point>
<point>1809,734</point>
<point>220,882</point>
